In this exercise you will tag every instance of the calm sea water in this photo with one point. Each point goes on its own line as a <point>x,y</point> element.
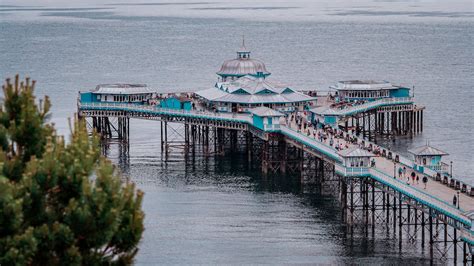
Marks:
<point>211,211</point>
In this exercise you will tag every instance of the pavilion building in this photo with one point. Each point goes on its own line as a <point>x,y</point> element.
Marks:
<point>430,157</point>
<point>368,90</point>
<point>356,157</point>
<point>243,85</point>
<point>119,93</point>
<point>241,66</point>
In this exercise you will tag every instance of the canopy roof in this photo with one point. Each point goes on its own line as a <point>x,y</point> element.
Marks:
<point>364,85</point>
<point>253,85</point>
<point>121,88</point>
<point>243,65</point>
<point>356,152</point>
<point>252,90</point>
<point>427,151</point>
<point>324,110</point>
<point>217,95</point>
<point>265,111</point>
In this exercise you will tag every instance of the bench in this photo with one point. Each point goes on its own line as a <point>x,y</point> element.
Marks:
<point>458,185</point>
<point>445,180</point>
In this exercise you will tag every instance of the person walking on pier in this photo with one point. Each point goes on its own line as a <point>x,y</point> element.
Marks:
<point>400,172</point>
<point>455,200</point>
<point>425,180</point>
<point>417,179</point>
<point>413,176</point>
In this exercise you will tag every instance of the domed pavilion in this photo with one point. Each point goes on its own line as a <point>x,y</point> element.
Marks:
<point>243,85</point>
<point>241,66</point>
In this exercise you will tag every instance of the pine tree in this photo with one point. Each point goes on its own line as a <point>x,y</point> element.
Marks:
<point>60,203</point>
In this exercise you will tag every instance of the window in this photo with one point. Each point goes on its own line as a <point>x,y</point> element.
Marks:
<point>240,91</point>
<point>265,91</point>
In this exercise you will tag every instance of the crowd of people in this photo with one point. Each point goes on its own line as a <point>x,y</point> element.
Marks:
<point>402,173</point>
<point>340,140</point>
<point>326,134</point>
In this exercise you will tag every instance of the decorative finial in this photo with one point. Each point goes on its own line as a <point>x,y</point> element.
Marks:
<point>243,53</point>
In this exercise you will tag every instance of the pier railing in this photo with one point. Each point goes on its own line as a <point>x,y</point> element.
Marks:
<point>425,198</point>
<point>442,167</point>
<point>243,118</point>
<point>274,127</point>
<point>351,171</point>
<point>151,109</point>
<point>373,104</point>
<point>410,191</point>
<point>429,171</point>
<point>311,142</point>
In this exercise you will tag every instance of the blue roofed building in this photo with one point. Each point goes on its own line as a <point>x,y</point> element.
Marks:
<point>265,118</point>
<point>428,156</point>
<point>119,93</point>
<point>368,90</point>
<point>243,84</point>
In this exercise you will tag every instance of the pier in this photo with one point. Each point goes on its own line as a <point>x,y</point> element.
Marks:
<point>326,140</point>
<point>368,195</point>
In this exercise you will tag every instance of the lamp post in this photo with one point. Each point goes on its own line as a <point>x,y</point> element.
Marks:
<point>451,170</point>
<point>394,170</point>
